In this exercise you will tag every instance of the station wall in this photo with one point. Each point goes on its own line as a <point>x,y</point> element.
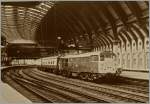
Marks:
<point>133,49</point>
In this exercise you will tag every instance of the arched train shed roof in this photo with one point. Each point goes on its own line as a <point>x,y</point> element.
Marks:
<point>99,21</point>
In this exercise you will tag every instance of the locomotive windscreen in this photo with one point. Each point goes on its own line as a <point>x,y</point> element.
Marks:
<point>94,57</point>
<point>107,54</point>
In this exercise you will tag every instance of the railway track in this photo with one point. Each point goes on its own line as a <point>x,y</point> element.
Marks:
<point>123,95</point>
<point>53,88</point>
<point>136,82</point>
<point>40,90</point>
<point>47,92</point>
<point>141,88</point>
<point>131,88</point>
<point>66,92</point>
<point>28,93</point>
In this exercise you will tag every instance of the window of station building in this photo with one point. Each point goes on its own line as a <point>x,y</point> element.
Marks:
<point>123,61</point>
<point>134,61</point>
<point>133,44</point>
<point>140,61</point>
<point>118,54</point>
<point>134,58</point>
<point>128,60</point>
<point>147,60</point>
<point>128,45</point>
<point>140,43</point>
<point>147,42</point>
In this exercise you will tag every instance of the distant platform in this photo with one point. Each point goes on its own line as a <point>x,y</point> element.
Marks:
<point>10,95</point>
<point>4,67</point>
<point>135,75</point>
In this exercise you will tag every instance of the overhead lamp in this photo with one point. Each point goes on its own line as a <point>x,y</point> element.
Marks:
<point>58,37</point>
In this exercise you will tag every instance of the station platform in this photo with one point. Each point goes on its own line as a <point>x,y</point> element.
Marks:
<point>10,95</point>
<point>4,67</point>
<point>135,75</point>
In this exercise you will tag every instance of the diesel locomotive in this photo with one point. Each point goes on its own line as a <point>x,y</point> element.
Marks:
<point>90,66</point>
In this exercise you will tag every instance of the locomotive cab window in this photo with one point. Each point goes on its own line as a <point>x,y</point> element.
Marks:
<point>108,56</point>
<point>94,57</point>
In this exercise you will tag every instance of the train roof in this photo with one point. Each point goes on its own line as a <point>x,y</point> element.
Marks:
<point>89,54</point>
<point>81,55</point>
<point>52,57</point>
<point>107,53</point>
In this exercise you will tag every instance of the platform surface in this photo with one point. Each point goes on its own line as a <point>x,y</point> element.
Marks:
<point>135,75</point>
<point>10,95</point>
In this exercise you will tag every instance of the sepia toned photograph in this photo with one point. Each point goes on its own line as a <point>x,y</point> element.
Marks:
<point>74,51</point>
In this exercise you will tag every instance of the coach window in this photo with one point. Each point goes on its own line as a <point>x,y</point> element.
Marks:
<point>66,62</point>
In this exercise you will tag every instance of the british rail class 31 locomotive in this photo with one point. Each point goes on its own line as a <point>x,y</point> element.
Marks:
<point>87,66</point>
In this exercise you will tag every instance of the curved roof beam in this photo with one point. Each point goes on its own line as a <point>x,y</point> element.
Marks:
<point>67,18</point>
<point>24,18</point>
<point>101,23</point>
<point>105,39</point>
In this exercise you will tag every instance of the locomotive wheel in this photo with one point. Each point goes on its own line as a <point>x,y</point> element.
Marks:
<point>84,76</point>
<point>50,70</point>
<point>54,71</point>
<point>118,72</point>
<point>90,77</point>
<point>108,77</point>
<point>42,68</point>
<point>64,73</point>
<point>69,74</point>
<point>60,72</point>
<point>93,77</point>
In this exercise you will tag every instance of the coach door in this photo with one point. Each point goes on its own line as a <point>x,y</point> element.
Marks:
<point>101,63</point>
<point>66,62</point>
<point>94,63</point>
